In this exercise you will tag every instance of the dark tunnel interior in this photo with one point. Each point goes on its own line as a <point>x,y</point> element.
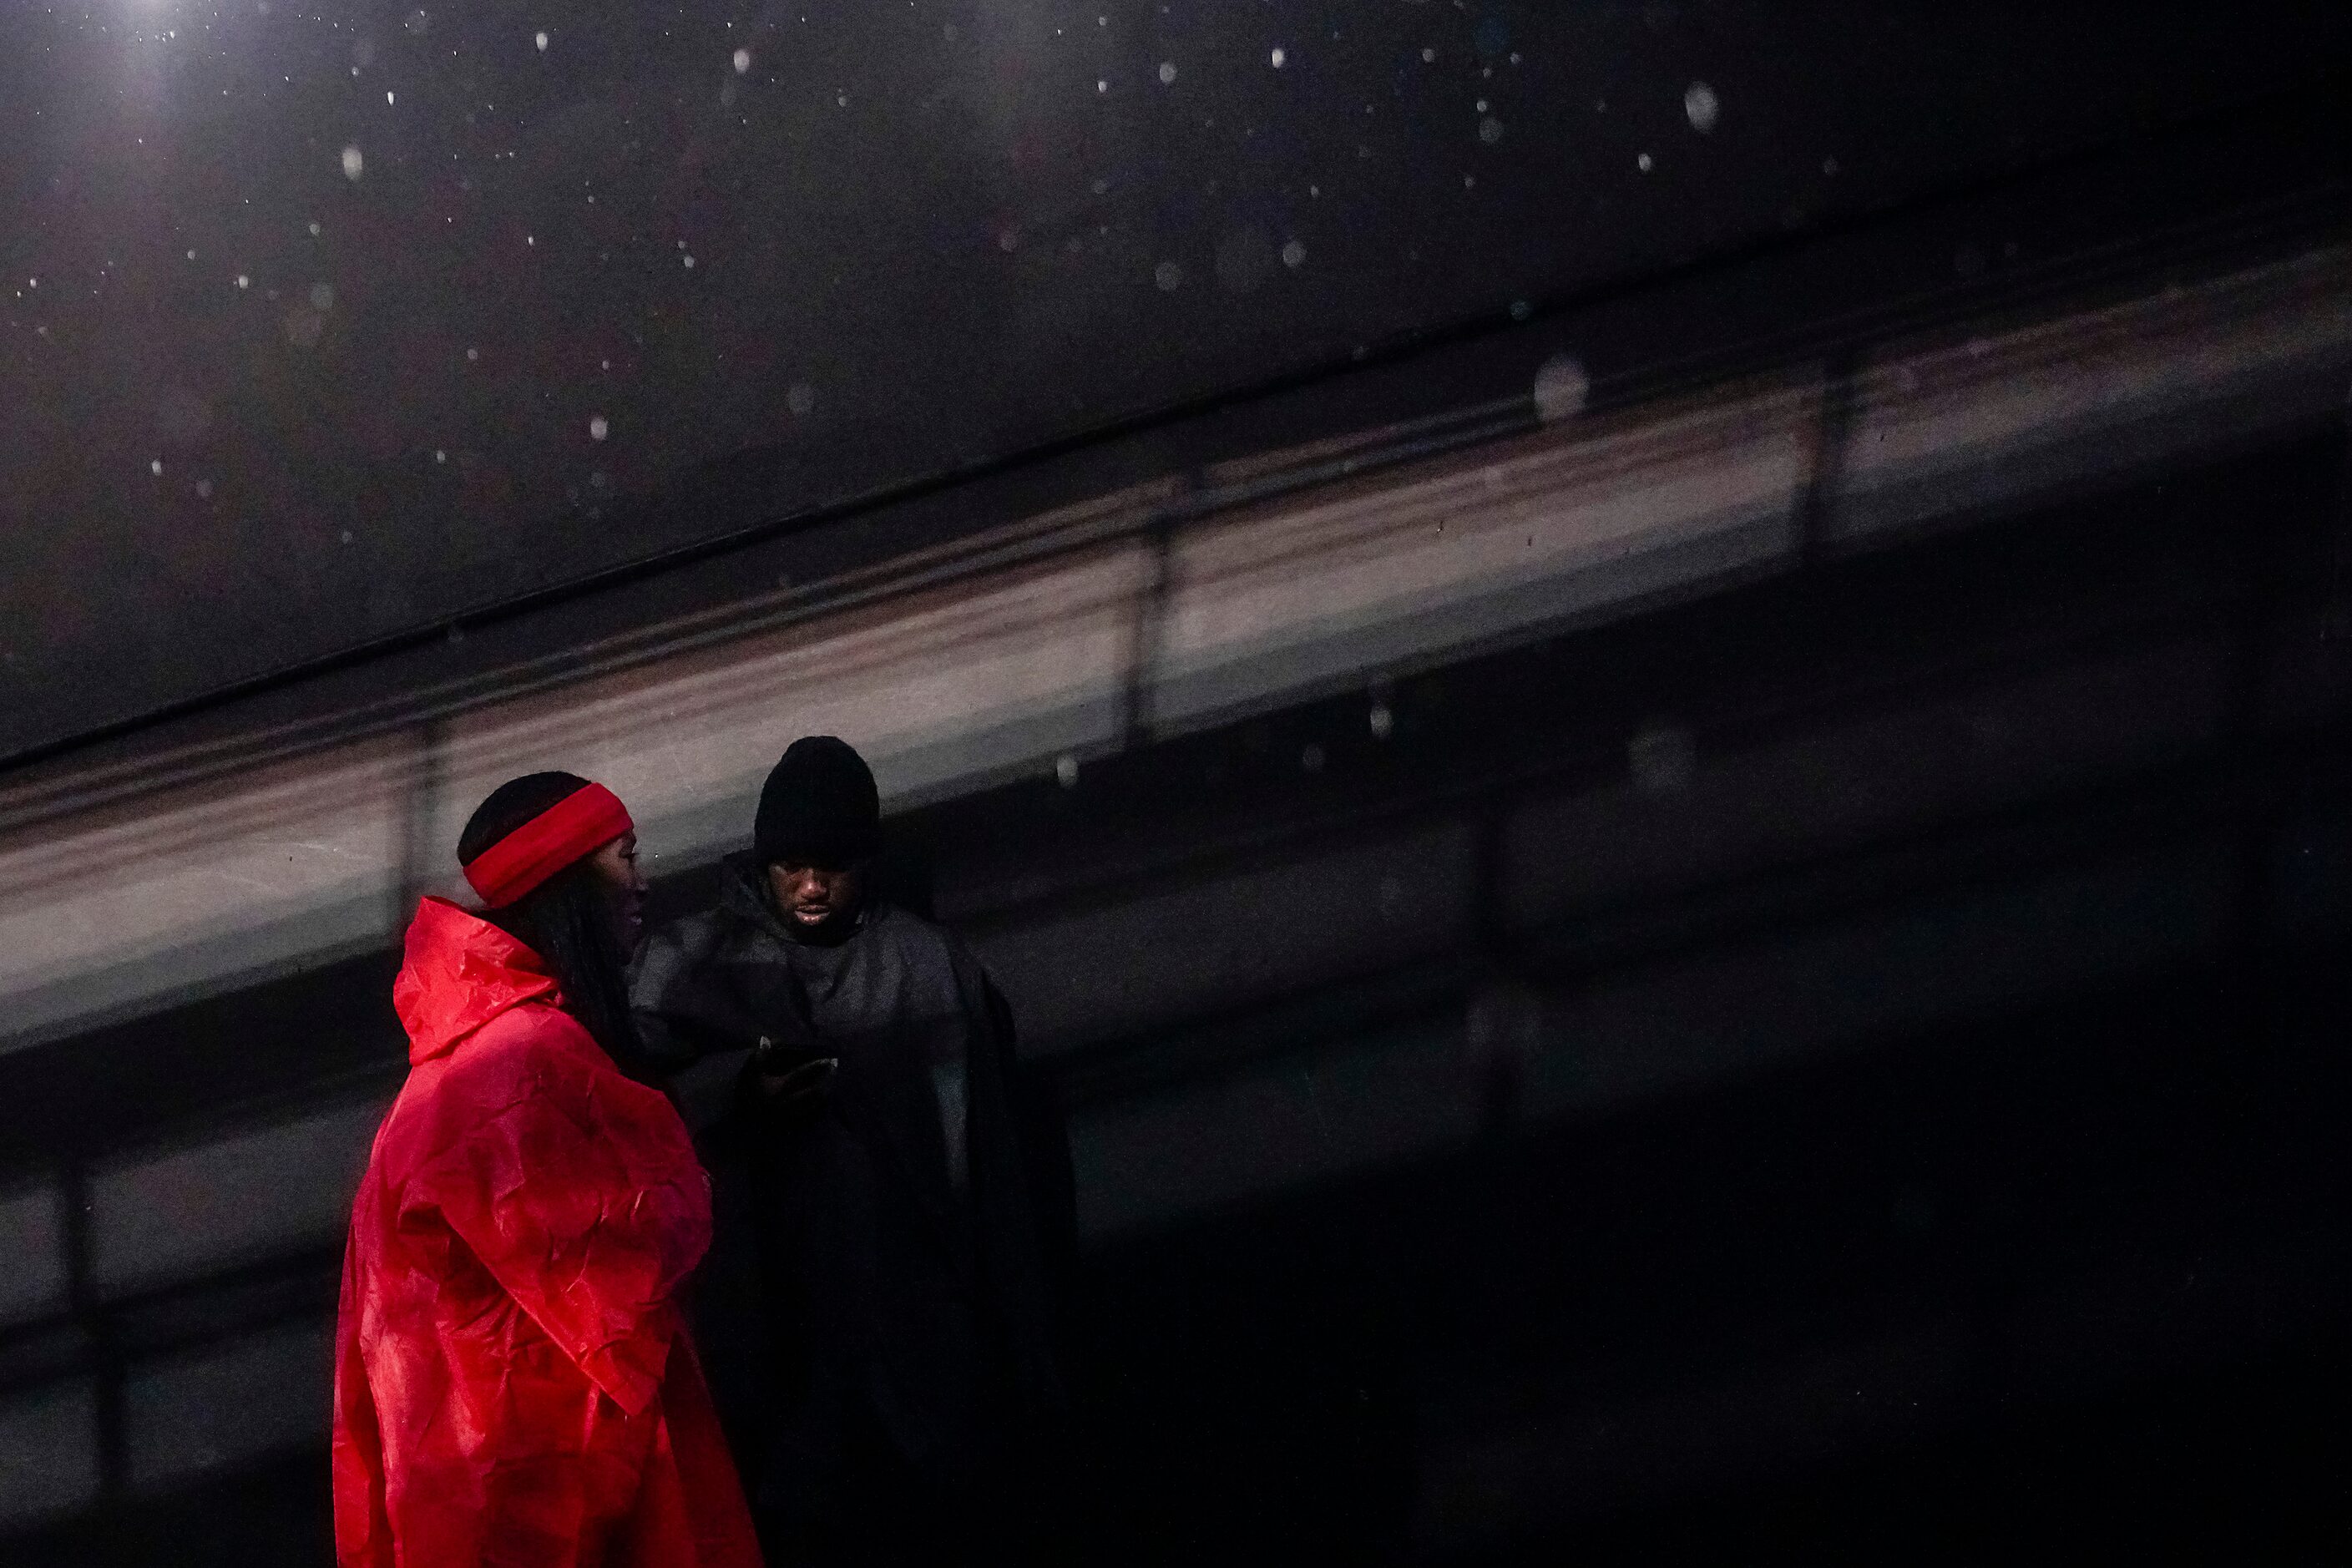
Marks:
<point>1778,995</point>
<point>1892,1109</point>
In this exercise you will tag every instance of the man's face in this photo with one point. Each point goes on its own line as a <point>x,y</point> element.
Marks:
<point>812,899</point>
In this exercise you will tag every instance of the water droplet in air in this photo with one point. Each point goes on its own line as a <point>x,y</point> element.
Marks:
<point>1169,276</point>
<point>598,428</point>
<point>1561,387</point>
<point>1643,162</point>
<point>538,40</point>
<point>243,281</point>
<point>1490,130</point>
<point>1701,105</point>
<point>689,263</point>
<point>353,164</point>
<point>156,467</point>
<point>314,229</point>
<point>1065,770</point>
<point>322,296</point>
<point>1167,72</point>
<point>1294,254</point>
<point>742,61</point>
<point>1383,722</point>
<point>1278,59</point>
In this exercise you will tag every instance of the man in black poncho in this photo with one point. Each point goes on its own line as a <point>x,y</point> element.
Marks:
<point>891,1207</point>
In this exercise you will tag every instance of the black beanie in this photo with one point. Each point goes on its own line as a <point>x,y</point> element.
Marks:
<point>819,806</point>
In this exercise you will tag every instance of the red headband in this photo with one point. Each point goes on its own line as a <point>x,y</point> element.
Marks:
<point>573,828</point>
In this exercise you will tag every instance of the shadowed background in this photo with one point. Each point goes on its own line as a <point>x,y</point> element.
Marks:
<point>1655,742</point>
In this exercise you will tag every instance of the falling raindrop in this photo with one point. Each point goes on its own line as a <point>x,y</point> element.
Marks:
<point>598,428</point>
<point>243,281</point>
<point>156,467</point>
<point>1383,722</point>
<point>1169,276</point>
<point>1278,59</point>
<point>1643,162</point>
<point>1490,130</point>
<point>1294,254</point>
<point>322,297</point>
<point>1561,386</point>
<point>539,40</point>
<point>1065,770</point>
<point>1167,72</point>
<point>742,61</point>
<point>1700,104</point>
<point>353,164</point>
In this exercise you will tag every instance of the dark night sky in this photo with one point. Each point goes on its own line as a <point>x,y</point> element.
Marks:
<point>320,319</point>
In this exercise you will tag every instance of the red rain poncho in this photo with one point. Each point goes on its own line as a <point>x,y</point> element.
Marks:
<point>512,1383</point>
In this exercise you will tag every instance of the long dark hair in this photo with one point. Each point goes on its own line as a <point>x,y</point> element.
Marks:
<point>566,920</point>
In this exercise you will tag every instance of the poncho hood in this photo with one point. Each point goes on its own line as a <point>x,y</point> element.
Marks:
<point>459,972</point>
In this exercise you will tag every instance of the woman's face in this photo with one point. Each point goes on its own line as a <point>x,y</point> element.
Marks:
<point>616,867</point>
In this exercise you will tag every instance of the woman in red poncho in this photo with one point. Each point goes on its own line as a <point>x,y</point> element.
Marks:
<point>513,1382</point>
